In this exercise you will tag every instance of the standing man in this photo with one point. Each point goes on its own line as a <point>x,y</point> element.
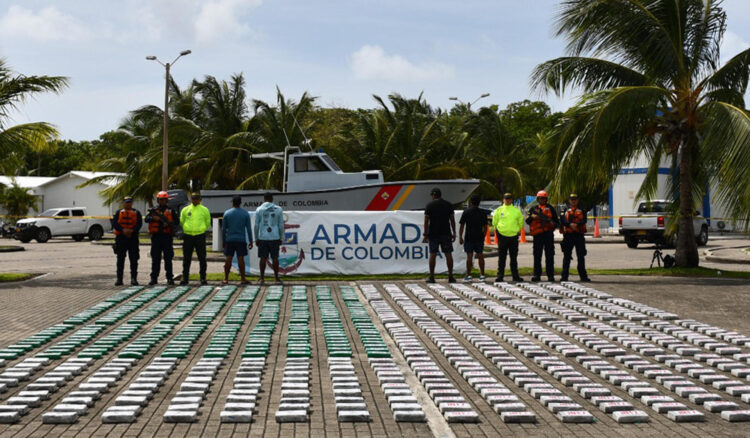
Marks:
<point>475,221</point>
<point>235,232</point>
<point>162,223</point>
<point>269,232</point>
<point>573,227</point>
<point>440,232</point>
<point>507,220</point>
<point>126,223</point>
<point>195,220</point>
<point>543,221</point>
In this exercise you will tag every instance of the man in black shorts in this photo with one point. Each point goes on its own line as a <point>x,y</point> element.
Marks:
<point>475,221</point>
<point>440,232</point>
<point>236,230</point>
<point>269,235</point>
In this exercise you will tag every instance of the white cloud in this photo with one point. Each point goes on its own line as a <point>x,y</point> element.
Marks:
<point>371,62</point>
<point>220,18</point>
<point>48,24</point>
<point>731,45</point>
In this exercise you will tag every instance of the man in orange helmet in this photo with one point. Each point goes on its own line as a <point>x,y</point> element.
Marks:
<point>162,223</point>
<point>543,221</point>
<point>573,227</point>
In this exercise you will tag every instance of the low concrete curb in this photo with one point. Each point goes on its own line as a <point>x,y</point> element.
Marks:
<point>11,248</point>
<point>711,257</point>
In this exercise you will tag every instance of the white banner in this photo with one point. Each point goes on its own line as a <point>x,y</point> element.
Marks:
<point>355,243</point>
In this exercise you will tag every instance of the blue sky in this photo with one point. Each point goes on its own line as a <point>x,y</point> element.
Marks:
<point>342,51</point>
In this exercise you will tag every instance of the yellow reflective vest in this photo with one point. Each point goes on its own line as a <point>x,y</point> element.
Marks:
<point>507,220</point>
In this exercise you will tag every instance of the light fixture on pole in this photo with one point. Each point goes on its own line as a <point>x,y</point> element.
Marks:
<point>468,105</point>
<point>164,167</point>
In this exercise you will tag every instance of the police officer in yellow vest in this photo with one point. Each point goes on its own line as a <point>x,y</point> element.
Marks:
<point>573,227</point>
<point>126,224</point>
<point>195,220</point>
<point>507,220</point>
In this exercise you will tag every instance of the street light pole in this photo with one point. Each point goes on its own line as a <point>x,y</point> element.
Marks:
<point>164,157</point>
<point>468,105</point>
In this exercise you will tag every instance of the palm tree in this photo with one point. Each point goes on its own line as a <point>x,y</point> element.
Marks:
<point>215,142</point>
<point>17,201</point>
<point>133,150</point>
<point>503,162</point>
<point>275,127</point>
<point>15,89</point>
<point>405,139</point>
<point>653,86</point>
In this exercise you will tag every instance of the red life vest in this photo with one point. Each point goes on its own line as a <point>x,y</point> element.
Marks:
<point>126,219</point>
<point>156,225</point>
<point>574,216</point>
<point>538,226</point>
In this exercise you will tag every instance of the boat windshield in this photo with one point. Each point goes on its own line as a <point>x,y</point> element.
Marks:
<point>331,163</point>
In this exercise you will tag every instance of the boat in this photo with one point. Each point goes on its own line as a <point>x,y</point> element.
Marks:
<point>314,182</point>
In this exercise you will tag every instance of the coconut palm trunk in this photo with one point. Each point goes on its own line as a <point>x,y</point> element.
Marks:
<point>686,247</point>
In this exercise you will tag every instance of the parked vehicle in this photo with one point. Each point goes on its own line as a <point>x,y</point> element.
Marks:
<point>6,230</point>
<point>56,222</point>
<point>648,224</point>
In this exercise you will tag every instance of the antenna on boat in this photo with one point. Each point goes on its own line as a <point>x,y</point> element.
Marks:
<point>307,140</point>
<point>286,137</point>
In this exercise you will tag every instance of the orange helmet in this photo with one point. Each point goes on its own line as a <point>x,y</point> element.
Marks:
<point>541,194</point>
<point>162,195</point>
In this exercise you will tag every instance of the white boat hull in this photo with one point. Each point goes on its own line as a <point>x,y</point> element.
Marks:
<point>399,195</point>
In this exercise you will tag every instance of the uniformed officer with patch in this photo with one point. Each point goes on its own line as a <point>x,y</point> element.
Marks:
<point>573,228</point>
<point>269,232</point>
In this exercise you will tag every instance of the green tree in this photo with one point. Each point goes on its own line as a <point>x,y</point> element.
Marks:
<point>17,201</point>
<point>214,146</point>
<point>16,89</point>
<point>131,150</point>
<point>64,156</point>
<point>405,139</point>
<point>502,161</point>
<point>526,119</point>
<point>653,86</point>
<point>276,127</point>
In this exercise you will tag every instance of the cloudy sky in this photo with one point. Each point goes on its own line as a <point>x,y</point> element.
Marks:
<point>342,51</point>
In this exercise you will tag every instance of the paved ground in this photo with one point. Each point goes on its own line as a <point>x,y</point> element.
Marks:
<point>80,276</point>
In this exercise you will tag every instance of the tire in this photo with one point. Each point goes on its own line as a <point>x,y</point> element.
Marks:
<point>96,232</point>
<point>42,235</point>
<point>702,238</point>
<point>25,240</point>
<point>79,237</point>
<point>632,242</point>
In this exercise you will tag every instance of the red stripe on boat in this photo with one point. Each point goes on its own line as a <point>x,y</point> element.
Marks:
<point>383,198</point>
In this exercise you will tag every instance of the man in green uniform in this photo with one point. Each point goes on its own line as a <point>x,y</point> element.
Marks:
<point>507,220</point>
<point>195,220</point>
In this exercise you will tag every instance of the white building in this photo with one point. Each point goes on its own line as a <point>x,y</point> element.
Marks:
<point>66,191</point>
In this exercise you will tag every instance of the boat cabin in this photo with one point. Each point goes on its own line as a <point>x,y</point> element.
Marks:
<point>316,171</point>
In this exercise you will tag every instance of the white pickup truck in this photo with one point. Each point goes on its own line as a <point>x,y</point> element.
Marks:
<point>55,222</point>
<point>648,224</point>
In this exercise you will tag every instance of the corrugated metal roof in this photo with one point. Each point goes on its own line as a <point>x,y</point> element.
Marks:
<point>89,176</point>
<point>28,182</point>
